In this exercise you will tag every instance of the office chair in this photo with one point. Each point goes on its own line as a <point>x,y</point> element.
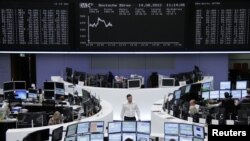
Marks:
<point>39,119</point>
<point>24,120</point>
<point>49,107</point>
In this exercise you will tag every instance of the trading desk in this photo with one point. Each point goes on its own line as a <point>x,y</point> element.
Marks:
<point>35,107</point>
<point>106,115</point>
<point>117,96</point>
<point>159,117</point>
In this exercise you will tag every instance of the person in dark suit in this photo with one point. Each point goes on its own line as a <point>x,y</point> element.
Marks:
<point>229,105</point>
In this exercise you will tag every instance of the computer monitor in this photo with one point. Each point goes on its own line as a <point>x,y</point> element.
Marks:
<point>129,126</point>
<point>115,137</point>
<point>182,83</point>
<point>33,93</point>
<point>236,94</point>
<point>241,85</point>
<point>167,82</point>
<point>82,76</point>
<point>70,139</point>
<point>142,137</point>
<point>97,127</point>
<point>9,95</point>
<point>20,94</point>
<point>177,94</point>
<point>83,127</point>
<point>198,131</point>
<point>49,94</point>
<point>59,85</point>
<point>57,134</point>
<point>205,95</point>
<point>114,127</point>
<point>7,86</point>
<point>225,85</point>
<point>171,128</point>
<point>49,85</point>
<point>244,93</point>
<point>185,138</point>
<point>134,83</point>
<point>206,86</point>
<point>71,130</point>
<point>85,137</point>
<point>197,139</point>
<point>222,93</point>
<point>96,137</point>
<point>59,91</point>
<point>188,87</point>
<point>214,94</point>
<point>129,136</point>
<point>59,88</point>
<point>186,129</point>
<point>20,85</point>
<point>171,137</point>
<point>143,127</point>
<point>68,71</point>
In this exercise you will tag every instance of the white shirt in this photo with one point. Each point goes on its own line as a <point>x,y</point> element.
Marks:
<point>129,110</point>
<point>196,106</point>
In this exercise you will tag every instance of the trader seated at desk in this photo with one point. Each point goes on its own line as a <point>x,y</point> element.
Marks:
<point>246,99</point>
<point>193,107</point>
<point>63,101</point>
<point>55,119</point>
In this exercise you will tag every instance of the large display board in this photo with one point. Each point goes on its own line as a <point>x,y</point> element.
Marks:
<point>222,25</point>
<point>35,25</point>
<point>124,25</point>
<point>129,26</point>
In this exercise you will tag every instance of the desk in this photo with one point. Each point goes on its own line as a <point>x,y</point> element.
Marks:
<point>106,115</point>
<point>40,105</point>
<point>159,117</point>
<point>117,96</point>
<point>5,125</point>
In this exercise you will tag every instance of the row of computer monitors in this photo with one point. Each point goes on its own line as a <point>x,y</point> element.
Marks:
<point>183,130</point>
<point>113,127</point>
<point>172,131</point>
<point>224,85</point>
<point>23,94</point>
<point>33,94</point>
<point>219,94</point>
<point>111,137</point>
<point>133,136</point>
